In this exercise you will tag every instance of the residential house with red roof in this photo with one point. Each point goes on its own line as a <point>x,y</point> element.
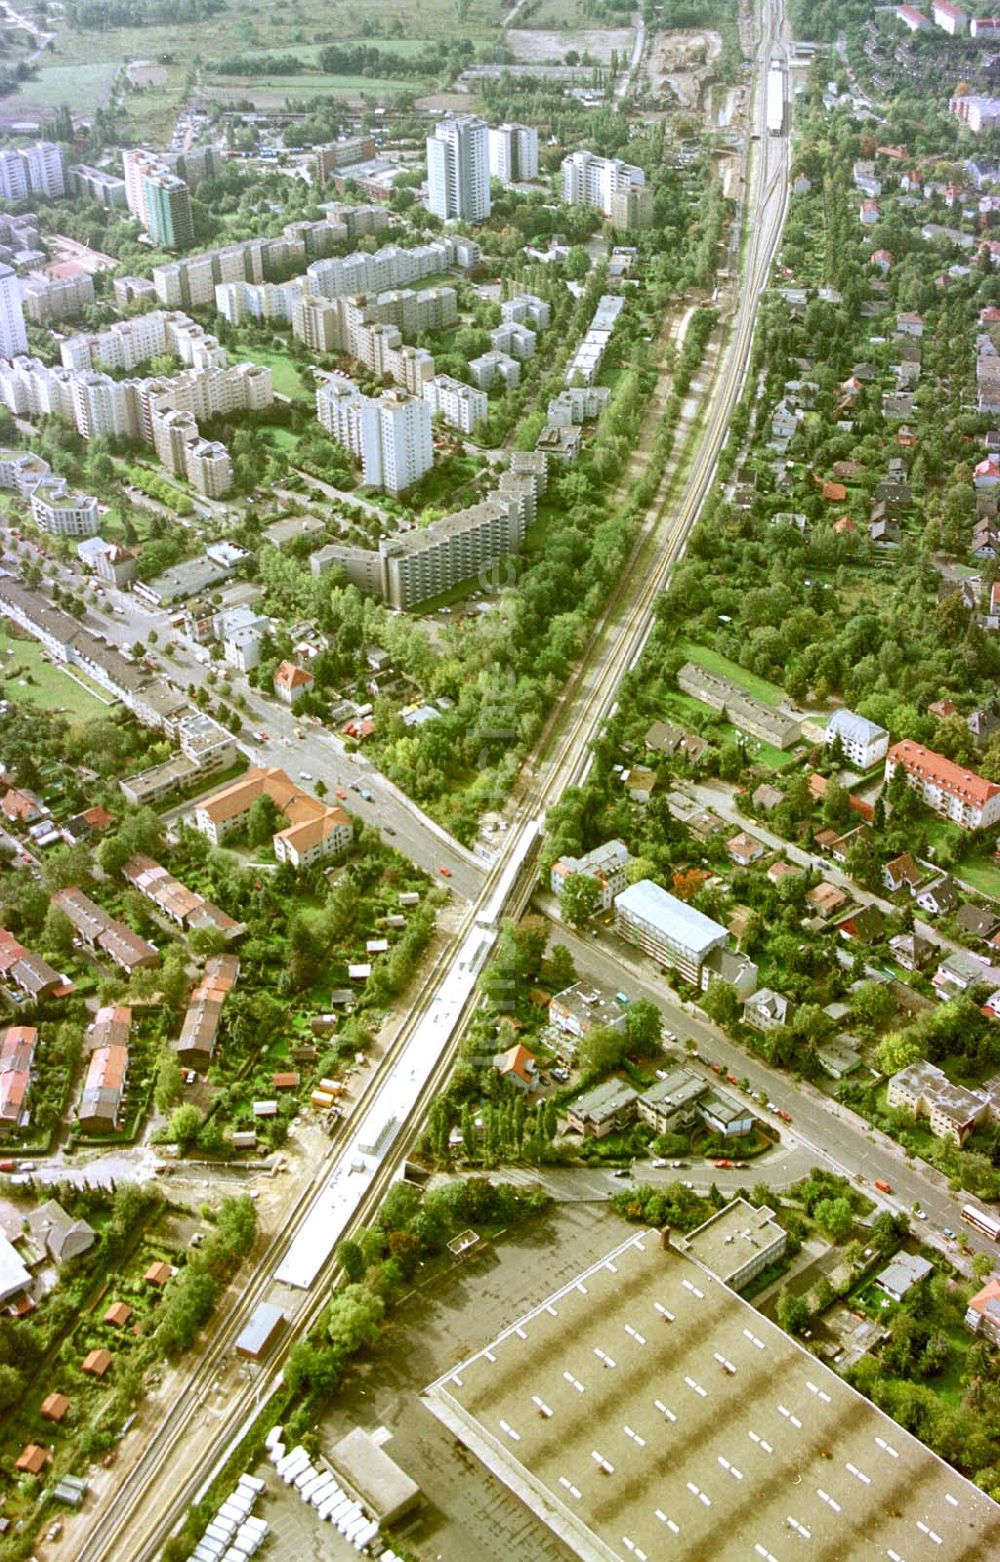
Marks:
<point>962,796</point>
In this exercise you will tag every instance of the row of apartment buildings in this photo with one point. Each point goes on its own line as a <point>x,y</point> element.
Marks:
<point>55,508</point>
<point>39,169</point>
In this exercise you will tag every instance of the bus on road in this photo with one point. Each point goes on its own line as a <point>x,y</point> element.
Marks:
<point>982,1221</point>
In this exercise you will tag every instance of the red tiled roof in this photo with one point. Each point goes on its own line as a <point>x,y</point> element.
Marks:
<point>952,778</point>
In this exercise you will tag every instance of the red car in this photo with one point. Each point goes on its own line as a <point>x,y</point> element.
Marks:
<point>786,1117</point>
<point>446,872</point>
<point>341,795</point>
<point>722,1165</point>
<point>731,1079</point>
<point>716,1068</point>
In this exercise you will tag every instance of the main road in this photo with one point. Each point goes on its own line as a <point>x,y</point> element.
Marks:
<point>181,1455</point>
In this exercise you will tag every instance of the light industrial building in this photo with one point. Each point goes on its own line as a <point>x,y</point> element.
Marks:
<point>645,1412</point>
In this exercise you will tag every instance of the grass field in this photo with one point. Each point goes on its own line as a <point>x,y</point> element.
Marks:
<point>262,88</point>
<point>759,688</point>
<point>284,373</point>
<point>49,688</point>
<point>76,84</point>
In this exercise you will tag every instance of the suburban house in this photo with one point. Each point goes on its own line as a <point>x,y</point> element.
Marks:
<point>100,931</point>
<point>864,926</point>
<point>58,1234</point>
<point>959,794</point>
<point>314,831</point>
<point>940,898</point>
<point>765,1009</point>
<point>33,975</point>
<point>952,1111</point>
<point>665,738</point>
<point>606,864</point>
<point>103,1098</point>
<point>960,971</point>
<point>902,873</point>
<point>182,905</point>
<point>976,922</point>
<point>827,898</point>
<point>199,1031</point>
<point>579,1009</point>
<point>743,849</point>
<point>519,1066</point>
<point>292,682</point>
<point>911,951</point>
<point>17,1059</point>
<point>864,744</point>
<point>899,1276</point>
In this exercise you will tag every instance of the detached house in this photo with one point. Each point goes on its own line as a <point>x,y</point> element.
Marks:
<point>292,682</point>
<point>902,873</point>
<point>766,1008</point>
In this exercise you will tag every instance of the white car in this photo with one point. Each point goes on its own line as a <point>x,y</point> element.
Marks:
<point>305,775</point>
<point>659,1165</point>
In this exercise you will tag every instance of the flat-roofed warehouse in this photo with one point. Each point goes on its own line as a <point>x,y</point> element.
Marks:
<point>646,1413</point>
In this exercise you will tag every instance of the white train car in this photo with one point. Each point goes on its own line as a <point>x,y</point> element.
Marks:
<point>776,100</point>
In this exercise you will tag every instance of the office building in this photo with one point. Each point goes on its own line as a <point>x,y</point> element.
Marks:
<point>462,406</point>
<point>13,336</point>
<point>513,153</point>
<point>397,445</point>
<point>670,931</point>
<point>588,180</point>
<point>644,1410</point>
<point>458,169</point>
<point>737,1243</point>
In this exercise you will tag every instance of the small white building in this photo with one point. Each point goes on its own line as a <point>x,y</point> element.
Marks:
<point>864,744</point>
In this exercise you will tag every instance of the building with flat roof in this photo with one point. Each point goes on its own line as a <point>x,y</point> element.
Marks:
<point>458,169</point>
<point>902,1273</point>
<point>577,1010</point>
<point>513,152</point>
<point>603,1110</point>
<point>669,930</point>
<point>737,1243</point>
<point>672,1102</point>
<point>644,1411</point>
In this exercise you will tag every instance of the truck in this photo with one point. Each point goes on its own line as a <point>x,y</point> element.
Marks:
<point>882,1185</point>
<point>776,99</point>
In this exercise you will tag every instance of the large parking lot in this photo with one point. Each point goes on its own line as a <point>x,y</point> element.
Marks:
<point>465,1512</point>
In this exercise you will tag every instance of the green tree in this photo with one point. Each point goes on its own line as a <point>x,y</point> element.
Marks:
<point>263,821</point>
<point>184,1125</point>
<point>721,1003</point>
<point>168,1079</point>
<point>351,1260</point>
<point>579,898</point>
<point>601,1049</point>
<point>792,1312</point>
<point>644,1027</point>
<point>57,934</point>
<point>353,1318</point>
<point>835,1216</point>
<point>897,1051</point>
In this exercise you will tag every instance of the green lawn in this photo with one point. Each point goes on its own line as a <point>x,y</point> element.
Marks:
<point>684,708</point>
<point>55,84</point>
<point>979,871</point>
<point>49,686</point>
<point>759,688</point>
<point>284,370</point>
<point>261,87</point>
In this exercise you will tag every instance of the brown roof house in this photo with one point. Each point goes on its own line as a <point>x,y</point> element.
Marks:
<point>292,682</point>
<point>518,1065</point>
<point>33,1459</point>
<point>53,1407</point>
<point>96,1363</point>
<point>118,1314</point>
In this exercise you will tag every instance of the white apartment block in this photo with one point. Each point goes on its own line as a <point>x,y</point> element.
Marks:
<point>526,309</point>
<point>239,301</point>
<point>126,344</point>
<point>949,18</point>
<point>493,366</point>
<point>338,410</point>
<point>242,632</point>
<point>458,169</point>
<point>61,512</point>
<point>513,151</point>
<point>588,180</point>
<point>13,175</point>
<point>32,170</point>
<point>388,267</point>
<point>952,1111</point>
<point>518,341</point>
<point>397,444</point>
<point>97,184</point>
<point>578,404</point>
<point>48,299</point>
<point>13,335</point>
<point>46,169</point>
<point>22,470</point>
<point>462,406</point>
<point>864,743</point>
<point>607,865</point>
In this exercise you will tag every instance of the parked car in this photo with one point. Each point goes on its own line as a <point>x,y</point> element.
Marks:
<point>659,1165</point>
<point>786,1117</point>
<point>722,1165</point>
<point>622,1171</point>
<point>676,1165</point>
<point>445,871</point>
<point>561,1074</point>
<point>305,775</point>
<point>340,794</point>
<point>946,1231</point>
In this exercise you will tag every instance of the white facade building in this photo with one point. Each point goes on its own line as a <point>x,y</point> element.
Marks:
<point>588,180</point>
<point>667,929</point>
<point>462,406</point>
<point>397,445</point>
<point>864,743</point>
<point>62,512</point>
<point>13,175</point>
<point>458,169</point>
<point>13,336</point>
<point>46,169</point>
<point>513,153</point>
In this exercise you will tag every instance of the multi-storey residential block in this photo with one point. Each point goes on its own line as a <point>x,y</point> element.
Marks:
<point>48,299</point>
<point>429,560</point>
<point>607,865</point>
<point>61,512</point>
<point>462,406</point>
<point>951,1111</point>
<point>969,800</point>
<point>863,743</point>
<point>314,831</point>
<point>669,930</point>
<point>513,153</point>
<point>98,185</point>
<point>13,336</point>
<point>588,180</point>
<point>397,445</point>
<point>458,169</point>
